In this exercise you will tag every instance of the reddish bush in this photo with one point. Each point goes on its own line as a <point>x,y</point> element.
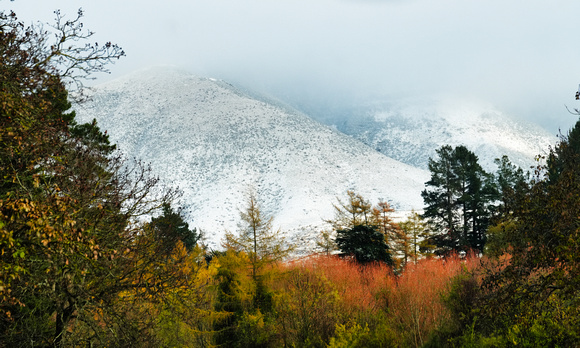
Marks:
<point>410,304</point>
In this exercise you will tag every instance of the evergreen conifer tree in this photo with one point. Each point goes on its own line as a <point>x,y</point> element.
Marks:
<point>511,182</point>
<point>363,231</point>
<point>458,199</point>
<point>170,227</point>
<point>365,243</point>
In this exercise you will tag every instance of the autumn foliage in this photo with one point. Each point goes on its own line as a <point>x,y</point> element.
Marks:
<point>86,259</point>
<point>337,301</point>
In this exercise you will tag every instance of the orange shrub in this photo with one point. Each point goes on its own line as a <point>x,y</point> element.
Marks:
<point>358,287</point>
<point>415,303</point>
<point>410,304</point>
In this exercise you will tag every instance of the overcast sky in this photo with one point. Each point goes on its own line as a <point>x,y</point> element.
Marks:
<point>522,56</point>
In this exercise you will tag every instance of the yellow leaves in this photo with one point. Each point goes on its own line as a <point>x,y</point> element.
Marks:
<point>36,180</point>
<point>25,206</point>
<point>179,252</point>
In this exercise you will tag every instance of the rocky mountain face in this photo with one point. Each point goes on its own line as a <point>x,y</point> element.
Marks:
<point>216,142</point>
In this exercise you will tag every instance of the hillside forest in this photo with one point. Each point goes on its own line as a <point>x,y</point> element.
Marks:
<point>95,252</point>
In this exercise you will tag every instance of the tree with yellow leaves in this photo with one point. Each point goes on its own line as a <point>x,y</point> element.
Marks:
<point>257,237</point>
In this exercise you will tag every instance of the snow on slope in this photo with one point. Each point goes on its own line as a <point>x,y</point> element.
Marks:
<point>215,143</point>
<point>411,130</point>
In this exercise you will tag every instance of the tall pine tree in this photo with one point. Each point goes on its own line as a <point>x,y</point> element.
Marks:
<point>458,199</point>
<point>441,200</point>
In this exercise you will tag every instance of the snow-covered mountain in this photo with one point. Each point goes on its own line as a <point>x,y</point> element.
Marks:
<point>410,130</point>
<point>215,142</point>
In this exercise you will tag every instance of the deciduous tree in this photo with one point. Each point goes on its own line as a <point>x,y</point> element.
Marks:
<point>416,231</point>
<point>326,242</point>
<point>257,237</point>
<point>355,211</point>
<point>71,245</point>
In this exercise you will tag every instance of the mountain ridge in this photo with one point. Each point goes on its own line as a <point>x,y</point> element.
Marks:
<point>410,130</point>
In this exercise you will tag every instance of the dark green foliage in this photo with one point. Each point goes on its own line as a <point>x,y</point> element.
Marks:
<point>529,296</point>
<point>169,228</point>
<point>92,136</point>
<point>229,301</point>
<point>541,279</point>
<point>565,156</point>
<point>458,200</point>
<point>364,243</point>
<point>263,298</point>
<point>440,201</point>
<point>511,183</point>
<point>462,301</point>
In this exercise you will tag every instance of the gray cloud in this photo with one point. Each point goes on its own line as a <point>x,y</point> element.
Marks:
<point>522,57</point>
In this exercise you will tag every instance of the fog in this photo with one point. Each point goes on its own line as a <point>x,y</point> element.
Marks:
<point>520,56</point>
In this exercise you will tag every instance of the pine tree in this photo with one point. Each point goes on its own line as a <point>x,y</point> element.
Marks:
<point>365,243</point>
<point>169,228</point>
<point>440,200</point>
<point>477,191</point>
<point>363,231</point>
<point>458,199</point>
<point>511,182</point>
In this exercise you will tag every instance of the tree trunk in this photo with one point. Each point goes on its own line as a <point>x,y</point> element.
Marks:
<point>63,316</point>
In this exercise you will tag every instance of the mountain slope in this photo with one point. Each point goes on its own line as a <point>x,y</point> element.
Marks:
<point>411,130</point>
<point>215,142</point>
